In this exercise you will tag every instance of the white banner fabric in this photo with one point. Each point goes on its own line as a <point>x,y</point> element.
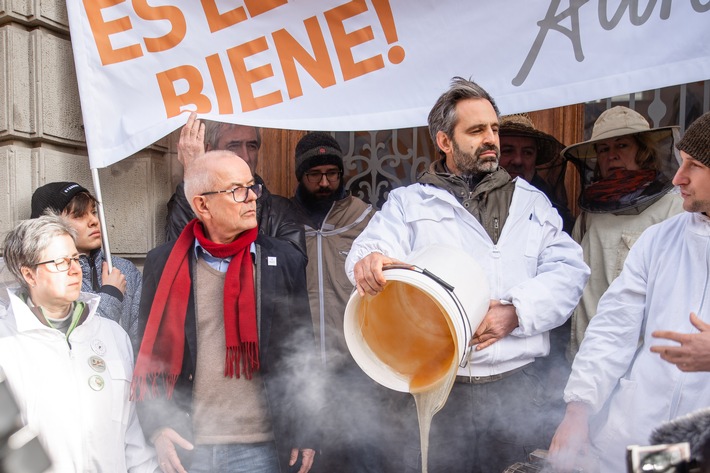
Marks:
<point>362,64</point>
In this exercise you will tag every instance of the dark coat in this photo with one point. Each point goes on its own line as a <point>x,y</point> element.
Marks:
<point>289,366</point>
<point>561,207</point>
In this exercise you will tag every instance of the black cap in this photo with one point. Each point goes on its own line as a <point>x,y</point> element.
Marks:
<point>55,196</point>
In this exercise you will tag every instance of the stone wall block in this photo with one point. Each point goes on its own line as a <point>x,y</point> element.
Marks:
<point>48,13</point>
<point>57,100</point>
<point>15,186</point>
<point>17,86</point>
<point>5,95</point>
<point>134,200</point>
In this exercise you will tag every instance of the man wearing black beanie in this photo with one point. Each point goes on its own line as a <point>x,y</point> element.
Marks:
<point>351,441</point>
<point>319,170</point>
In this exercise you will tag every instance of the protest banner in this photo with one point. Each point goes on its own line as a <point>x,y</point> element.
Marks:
<point>362,64</point>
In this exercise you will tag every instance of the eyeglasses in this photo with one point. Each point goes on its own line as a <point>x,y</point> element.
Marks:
<point>239,193</point>
<point>315,177</point>
<point>60,264</point>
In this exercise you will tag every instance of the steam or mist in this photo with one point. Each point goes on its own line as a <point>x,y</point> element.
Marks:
<point>357,420</point>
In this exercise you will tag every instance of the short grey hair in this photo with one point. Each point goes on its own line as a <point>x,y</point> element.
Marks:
<point>199,177</point>
<point>214,130</point>
<point>443,115</point>
<point>25,243</point>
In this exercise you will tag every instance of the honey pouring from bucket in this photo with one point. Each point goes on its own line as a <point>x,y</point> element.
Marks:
<point>414,335</point>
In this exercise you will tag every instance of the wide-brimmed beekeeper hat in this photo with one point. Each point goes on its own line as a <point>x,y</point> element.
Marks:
<point>548,147</point>
<point>615,122</point>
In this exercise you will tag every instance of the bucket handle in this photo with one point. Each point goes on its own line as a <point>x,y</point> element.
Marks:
<point>450,290</point>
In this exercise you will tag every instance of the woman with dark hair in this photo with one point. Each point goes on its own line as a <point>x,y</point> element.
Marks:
<point>626,170</point>
<point>69,369</point>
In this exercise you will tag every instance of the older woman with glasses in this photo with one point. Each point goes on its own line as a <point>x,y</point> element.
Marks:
<point>69,369</point>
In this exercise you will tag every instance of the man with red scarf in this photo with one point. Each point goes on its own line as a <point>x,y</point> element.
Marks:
<point>225,362</point>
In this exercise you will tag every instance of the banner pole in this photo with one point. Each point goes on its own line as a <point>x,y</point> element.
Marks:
<point>102,220</point>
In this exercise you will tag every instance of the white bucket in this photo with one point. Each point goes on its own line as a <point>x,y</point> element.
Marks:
<point>407,337</point>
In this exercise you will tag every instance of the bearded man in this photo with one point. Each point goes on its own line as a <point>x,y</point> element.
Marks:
<point>495,413</point>
<point>356,439</point>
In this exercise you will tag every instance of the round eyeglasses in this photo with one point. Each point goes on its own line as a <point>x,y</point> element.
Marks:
<point>60,265</point>
<point>239,193</point>
<point>315,176</point>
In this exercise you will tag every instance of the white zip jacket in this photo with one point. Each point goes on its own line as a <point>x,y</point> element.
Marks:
<point>75,397</point>
<point>632,390</point>
<point>534,265</point>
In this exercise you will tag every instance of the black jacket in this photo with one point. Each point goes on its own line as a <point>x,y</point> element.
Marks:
<point>276,216</point>
<point>288,363</point>
<point>561,207</point>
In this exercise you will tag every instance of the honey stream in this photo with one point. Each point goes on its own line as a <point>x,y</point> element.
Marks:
<point>409,331</point>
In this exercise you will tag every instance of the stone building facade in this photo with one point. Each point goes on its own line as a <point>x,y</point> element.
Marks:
<point>42,138</point>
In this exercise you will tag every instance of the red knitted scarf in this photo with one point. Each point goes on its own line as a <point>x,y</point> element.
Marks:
<point>162,349</point>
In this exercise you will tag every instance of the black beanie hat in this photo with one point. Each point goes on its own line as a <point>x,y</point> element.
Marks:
<point>316,149</point>
<point>55,196</point>
<point>696,140</point>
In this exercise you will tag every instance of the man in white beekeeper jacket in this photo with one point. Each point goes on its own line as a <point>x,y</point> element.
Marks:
<point>620,390</point>
<point>495,413</point>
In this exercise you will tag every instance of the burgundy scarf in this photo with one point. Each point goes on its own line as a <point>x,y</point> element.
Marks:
<point>162,349</point>
<point>617,184</point>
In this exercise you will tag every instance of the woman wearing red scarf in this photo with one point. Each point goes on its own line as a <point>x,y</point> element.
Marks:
<point>226,361</point>
<point>626,170</point>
